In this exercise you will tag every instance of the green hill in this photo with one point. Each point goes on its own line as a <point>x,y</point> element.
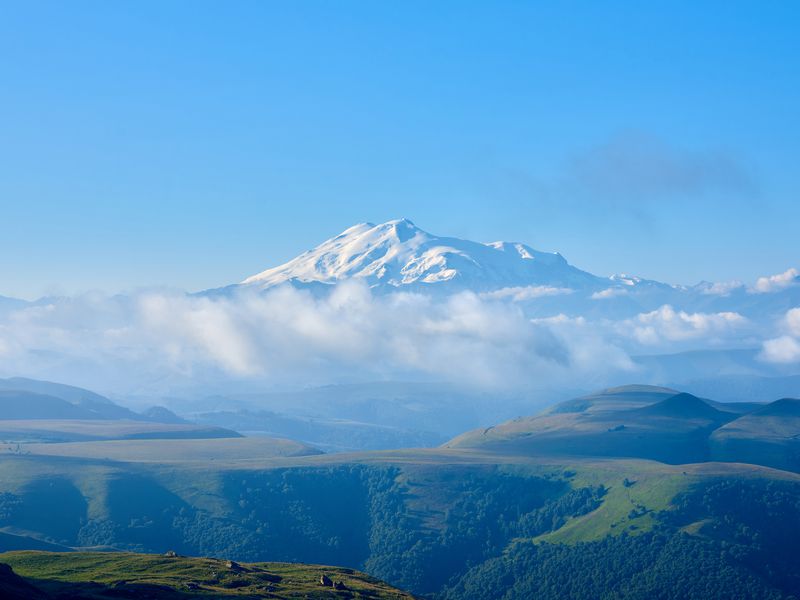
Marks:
<point>95,576</point>
<point>653,423</point>
<point>507,513</point>
<point>617,398</point>
<point>683,406</point>
<point>197,449</point>
<point>32,410</point>
<point>87,404</point>
<point>768,436</point>
<point>422,520</point>
<point>76,430</point>
<point>15,404</point>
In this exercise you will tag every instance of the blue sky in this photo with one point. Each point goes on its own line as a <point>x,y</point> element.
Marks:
<point>194,143</point>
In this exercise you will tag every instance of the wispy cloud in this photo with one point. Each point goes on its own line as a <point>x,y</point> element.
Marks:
<point>668,324</point>
<point>612,292</point>
<point>636,176</point>
<point>523,293</point>
<point>722,288</point>
<point>792,320</point>
<point>636,167</point>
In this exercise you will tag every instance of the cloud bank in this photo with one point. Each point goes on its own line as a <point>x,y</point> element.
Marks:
<point>291,337</point>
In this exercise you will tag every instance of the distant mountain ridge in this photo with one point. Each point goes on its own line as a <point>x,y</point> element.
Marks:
<point>399,256</point>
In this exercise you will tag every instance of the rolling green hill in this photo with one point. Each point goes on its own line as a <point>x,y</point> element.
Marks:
<point>653,423</point>
<point>15,404</point>
<point>767,436</point>
<point>503,512</point>
<point>75,430</point>
<point>42,411</point>
<point>172,451</point>
<point>94,576</point>
<point>422,520</point>
<point>39,395</point>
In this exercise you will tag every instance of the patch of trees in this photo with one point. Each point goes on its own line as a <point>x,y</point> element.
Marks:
<point>746,546</point>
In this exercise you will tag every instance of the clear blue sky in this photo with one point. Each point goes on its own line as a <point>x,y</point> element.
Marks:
<point>194,143</point>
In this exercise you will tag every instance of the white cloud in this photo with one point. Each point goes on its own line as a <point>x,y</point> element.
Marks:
<point>592,350</point>
<point>782,350</point>
<point>611,292</point>
<point>523,293</point>
<point>561,319</point>
<point>289,336</point>
<point>293,337</point>
<point>785,348</point>
<point>722,288</point>
<point>666,323</point>
<point>185,328</point>
<point>776,283</point>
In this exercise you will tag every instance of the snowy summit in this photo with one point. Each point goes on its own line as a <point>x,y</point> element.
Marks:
<point>399,254</point>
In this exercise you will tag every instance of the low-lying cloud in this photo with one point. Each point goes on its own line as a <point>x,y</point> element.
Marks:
<point>162,340</point>
<point>608,293</point>
<point>525,293</point>
<point>784,349</point>
<point>776,283</point>
<point>667,323</point>
<point>292,336</point>
<point>722,288</point>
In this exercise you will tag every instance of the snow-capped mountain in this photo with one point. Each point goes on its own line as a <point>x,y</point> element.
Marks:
<point>398,254</point>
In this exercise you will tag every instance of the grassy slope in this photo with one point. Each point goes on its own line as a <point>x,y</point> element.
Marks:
<point>768,436</point>
<point>651,487</point>
<point>644,422</point>
<point>426,473</point>
<point>65,430</point>
<point>177,451</point>
<point>80,573</point>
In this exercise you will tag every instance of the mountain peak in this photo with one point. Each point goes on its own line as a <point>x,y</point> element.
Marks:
<point>402,222</point>
<point>785,407</point>
<point>403,229</point>
<point>398,254</point>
